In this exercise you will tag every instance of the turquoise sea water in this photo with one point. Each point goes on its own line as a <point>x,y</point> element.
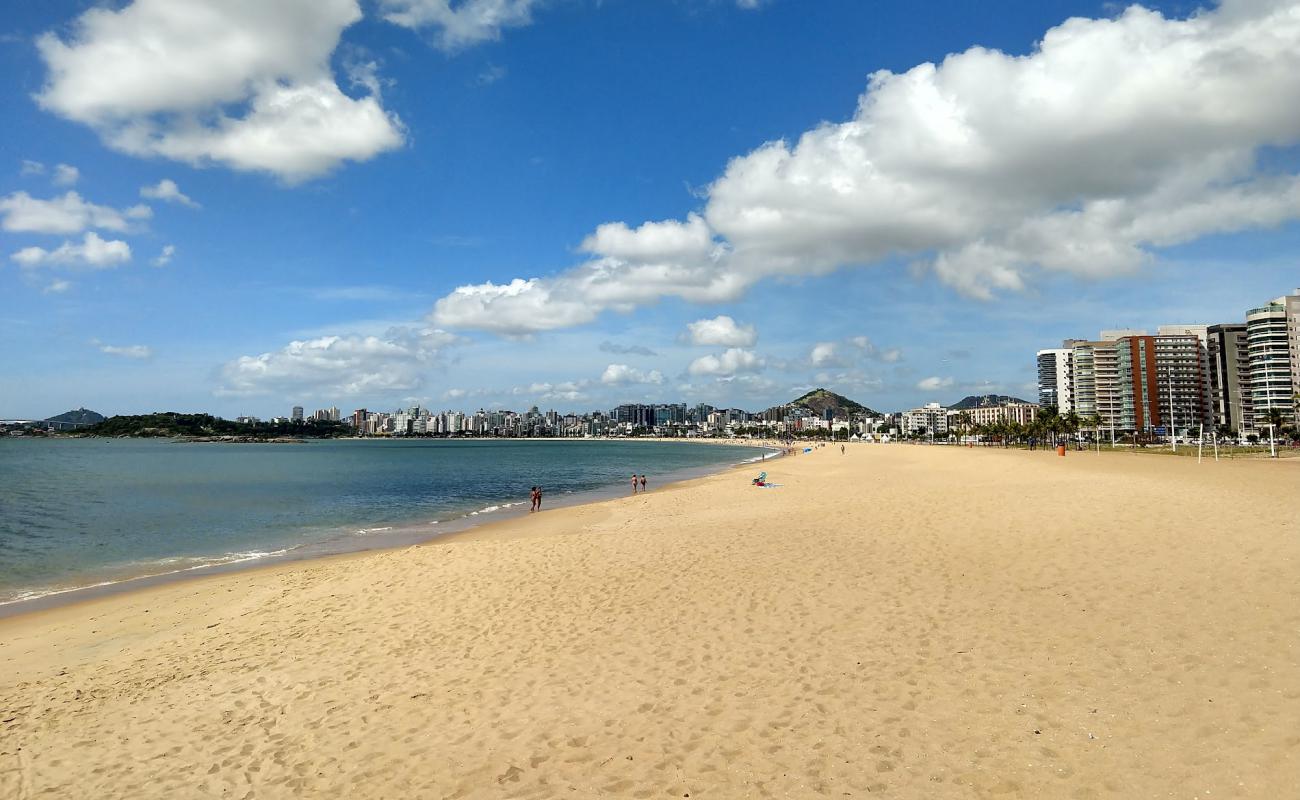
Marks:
<point>83,512</point>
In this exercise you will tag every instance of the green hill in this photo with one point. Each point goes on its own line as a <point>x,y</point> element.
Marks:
<point>818,400</point>
<point>984,400</point>
<point>73,420</point>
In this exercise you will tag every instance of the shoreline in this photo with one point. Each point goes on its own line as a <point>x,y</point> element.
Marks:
<point>399,536</point>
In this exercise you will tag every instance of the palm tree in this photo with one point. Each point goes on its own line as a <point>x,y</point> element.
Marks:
<point>964,425</point>
<point>1015,431</point>
<point>1094,421</point>
<point>1044,421</point>
<point>1072,423</point>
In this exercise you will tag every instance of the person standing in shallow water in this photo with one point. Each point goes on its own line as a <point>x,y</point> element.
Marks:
<point>643,483</point>
<point>539,499</point>
<point>535,499</point>
<point>633,483</point>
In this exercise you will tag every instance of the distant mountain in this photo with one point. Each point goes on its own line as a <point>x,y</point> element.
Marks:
<point>984,400</point>
<point>818,400</point>
<point>71,420</point>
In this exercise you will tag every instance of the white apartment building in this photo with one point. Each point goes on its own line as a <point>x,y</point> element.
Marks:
<point>1273,352</point>
<point>1055,388</point>
<point>1202,334</point>
<point>1022,413</point>
<point>932,418</point>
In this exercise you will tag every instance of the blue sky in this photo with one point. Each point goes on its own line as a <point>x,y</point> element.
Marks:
<point>576,203</point>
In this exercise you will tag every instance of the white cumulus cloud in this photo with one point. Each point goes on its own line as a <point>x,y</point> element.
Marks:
<point>459,25</point>
<point>165,257</point>
<point>564,391</point>
<point>934,383</point>
<point>23,213</point>
<point>823,354</point>
<point>513,309</point>
<point>721,331</point>
<point>1111,139</point>
<point>622,375</point>
<point>630,267</point>
<point>65,175</point>
<point>733,361</point>
<point>400,360</point>
<point>167,191</point>
<point>868,349</point>
<point>243,83</point>
<point>93,252</point>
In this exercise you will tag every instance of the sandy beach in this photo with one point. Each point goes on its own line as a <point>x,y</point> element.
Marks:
<point>900,621</point>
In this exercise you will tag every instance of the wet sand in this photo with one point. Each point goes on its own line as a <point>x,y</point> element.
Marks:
<point>899,621</point>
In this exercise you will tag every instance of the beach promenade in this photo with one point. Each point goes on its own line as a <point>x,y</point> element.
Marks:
<point>900,621</point>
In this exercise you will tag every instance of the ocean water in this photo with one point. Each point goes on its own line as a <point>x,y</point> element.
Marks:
<point>77,513</point>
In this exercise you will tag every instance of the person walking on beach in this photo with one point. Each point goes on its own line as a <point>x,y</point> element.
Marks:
<point>643,483</point>
<point>537,498</point>
<point>534,498</point>
<point>841,449</point>
<point>634,481</point>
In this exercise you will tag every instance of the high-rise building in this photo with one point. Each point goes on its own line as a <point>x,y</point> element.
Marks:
<point>296,414</point>
<point>1183,384</point>
<point>1106,392</point>
<point>636,414</point>
<point>1273,350</point>
<point>1139,404</point>
<point>1084,377</point>
<point>1202,334</point>
<point>1054,384</point>
<point>1230,402</point>
<point>1161,383</point>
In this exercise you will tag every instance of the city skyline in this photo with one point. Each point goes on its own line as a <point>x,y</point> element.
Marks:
<point>578,205</point>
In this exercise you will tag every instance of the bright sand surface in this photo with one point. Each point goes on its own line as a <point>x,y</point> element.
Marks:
<point>902,621</point>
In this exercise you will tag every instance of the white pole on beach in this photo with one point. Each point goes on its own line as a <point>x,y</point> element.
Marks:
<point>1272,444</point>
<point>1200,443</point>
<point>1216,445</point>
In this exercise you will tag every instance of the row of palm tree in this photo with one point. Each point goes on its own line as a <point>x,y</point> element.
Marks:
<point>1048,426</point>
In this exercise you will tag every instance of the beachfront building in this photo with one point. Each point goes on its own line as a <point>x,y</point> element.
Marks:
<point>1095,379</point>
<point>1181,374</point>
<point>1054,379</point>
<point>1139,404</point>
<point>1160,384</point>
<point>1273,350</point>
<point>1229,371</point>
<point>932,418</point>
<point>1202,334</point>
<point>1083,359</point>
<point>1108,400</point>
<point>1020,413</point>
